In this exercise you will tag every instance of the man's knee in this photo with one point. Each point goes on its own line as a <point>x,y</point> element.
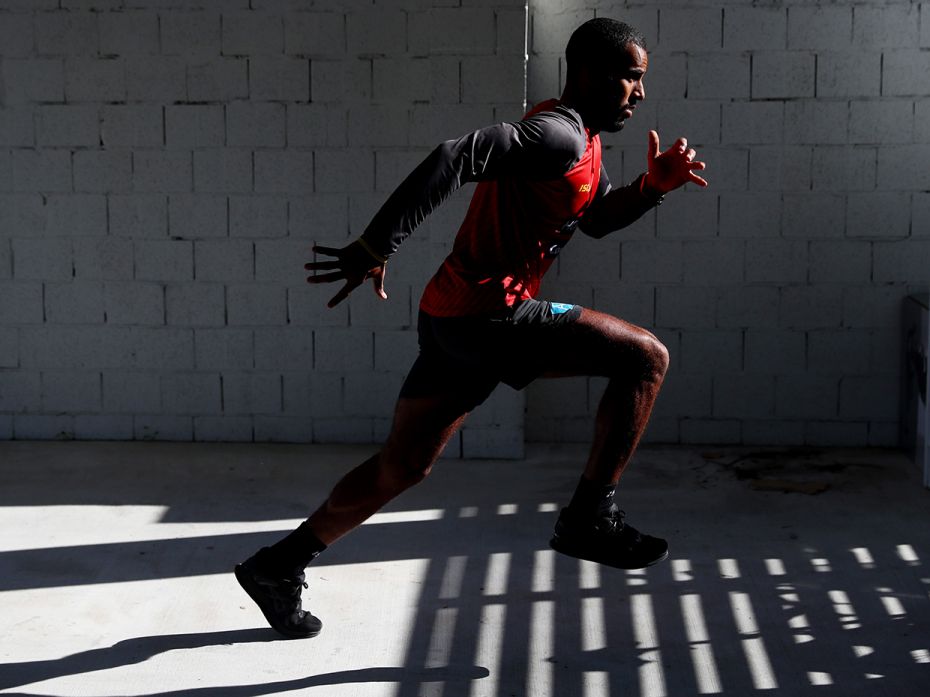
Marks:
<point>645,359</point>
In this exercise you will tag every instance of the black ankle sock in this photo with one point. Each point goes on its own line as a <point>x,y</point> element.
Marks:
<point>592,498</point>
<point>295,551</point>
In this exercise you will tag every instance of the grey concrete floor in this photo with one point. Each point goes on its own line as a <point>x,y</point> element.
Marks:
<point>115,563</point>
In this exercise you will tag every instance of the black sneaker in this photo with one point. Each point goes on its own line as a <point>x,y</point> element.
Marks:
<point>278,597</point>
<point>606,540</point>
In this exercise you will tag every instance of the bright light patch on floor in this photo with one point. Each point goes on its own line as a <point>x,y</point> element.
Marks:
<point>595,683</point>
<point>507,509</point>
<point>921,656</point>
<point>842,605</point>
<point>495,578</point>
<point>454,574</point>
<point>539,669</point>
<point>760,667</point>
<point>405,516</point>
<point>589,575</point>
<point>651,676</point>
<point>821,565</point>
<point>775,567</point>
<point>543,570</point>
<point>907,554</point>
<point>702,655</point>
<point>893,606</point>
<point>861,651</point>
<point>440,642</point>
<point>636,577</point>
<point>681,570</point>
<point>728,568</point>
<point>864,557</point>
<point>488,648</point>
<point>548,508</point>
<point>874,676</point>
<point>803,638</point>
<point>799,622</point>
<point>593,631</point>
<point>468,512</point>
<point>819,678</point>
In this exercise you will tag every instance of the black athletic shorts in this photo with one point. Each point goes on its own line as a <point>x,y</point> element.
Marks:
<point>469,356</point>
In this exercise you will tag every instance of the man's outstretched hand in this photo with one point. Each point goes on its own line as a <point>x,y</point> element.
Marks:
<point>673,168</point>
<point>353,264</point>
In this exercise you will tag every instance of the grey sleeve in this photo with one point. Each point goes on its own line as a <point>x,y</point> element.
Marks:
<point>543,146</point>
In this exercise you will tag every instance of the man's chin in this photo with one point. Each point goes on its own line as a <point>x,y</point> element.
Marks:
<point>614,126</point>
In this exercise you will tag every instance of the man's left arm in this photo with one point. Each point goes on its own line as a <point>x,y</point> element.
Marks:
<point>666,171</point>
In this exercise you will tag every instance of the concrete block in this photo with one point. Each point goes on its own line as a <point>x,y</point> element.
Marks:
<point>920,215</point>
<point>849,74</point>
<point>251,393</point>
<point>378,126</point>
<point>134,303</point>
<point>844,169</point>
<point>226,170</point>
<point>687,214</point>
<point>27,80</point>
<point>745,307</point>
<point>257,216</point>
<point>880,123</point>
<point>284,348</point>
<point>839,352</point>
<point>191,33</point>
<point>876,307</point>
<point>128,33</point>
<point>807,396</point>
<point>9,347</point>
<point>43,427</point>
<point>492,79</point>
<point>903,261</point>
<point>878,214</point>
<point>65,33</point>
<point>192,216</point>
<point>286,171</point>
<point>432,125</point>
<point>17,35</point>
<point>886,26</point>
<point>403,80</point>
<point>281,261</point>
<point>160,79</point>
<point>343,430</point>
<point>776,432</point>
<point>901,167</point>
<point>698,121</point>
<point>255,304</point>
<point>744,396</point>
<point>492,443</point>
<point>86,349</point>
<point>43,259</point>
<point>459,31</point>
<point>376,32</point>
<point>364,206</point>
<point>313,125</point>
<point>711,431</point>
<point>690,29</point>
<point>283,429</point>
<point>279,78</point>
<point>76,302</point>
<point>70,392</point>
<point>190,393</point>
<point>840,261</point>
<point>651,261</point>
<point>727,167</point>
<point>319,214</point>
<point>6,259</point>
<point>315,34</point>
<point>594,261</point>
<point>223,260</point>
<point>393,166</point>
<point>95,79</point>
<point>781,75</point>
<point>776,261</point>
<point>164,260</point>
<point>811,307</point>
<point>24,215</point>
<point>719,76</point>
<point>368,310</point>
<point>543,80</point>
<point>44,171</point>
<point>755,28</point>
<point>344,82</point>
<point>313,394</point>
<point>774,351</point>
<point>921,121</point>
<point>103,427</point>
<point>753,215</point>
<point>195,305</point>
<point>780,168</point>
<point>76,215</point>
<point>20,391</point>
<point>714,262</point>
<point>138,215</point>
<point>884,434</point>
<point>131,126</point>
<point>252,33</point>
<point>753,122</point>
<point>444,80</point>
<point>717,351</point>
<point>223,429</point>
<point>814,216</point>
<point>343,350</point>
<point>194,126</point>
<point>870,397</point>
<point>225,349</point>
<point>511,25</point>
<point>924,26</point>
<point>102,171</point>
<point>218,80</point>
<point>344,170</point>
<point>633,302</point>
<point>819,122</point>
<point>371,394</point>
<point>306,306</point>
<point>162,171</point>
<point>820,27</point>
<point>131,393</point>
<point>159,427</point>
<point>684,307</point>
<point>17,127</point>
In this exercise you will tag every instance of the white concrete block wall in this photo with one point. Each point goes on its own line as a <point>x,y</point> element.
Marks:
<point>165,168</point>
<point>778,289</point>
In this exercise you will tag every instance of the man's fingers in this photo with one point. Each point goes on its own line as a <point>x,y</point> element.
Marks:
<point>322,265</point>
<point>326,277</point>
<point>378,282</point>
<point>342,294</point>
<point>697,165</point>
<point>652,151</point>
<point>690,154</point>
<point>331,251</point>
<point>681,144</point>
<point>696,179</point>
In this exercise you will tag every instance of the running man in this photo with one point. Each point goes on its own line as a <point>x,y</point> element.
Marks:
<point>481,324</point>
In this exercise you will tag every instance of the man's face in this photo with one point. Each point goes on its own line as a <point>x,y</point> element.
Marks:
<point>618,88</point>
